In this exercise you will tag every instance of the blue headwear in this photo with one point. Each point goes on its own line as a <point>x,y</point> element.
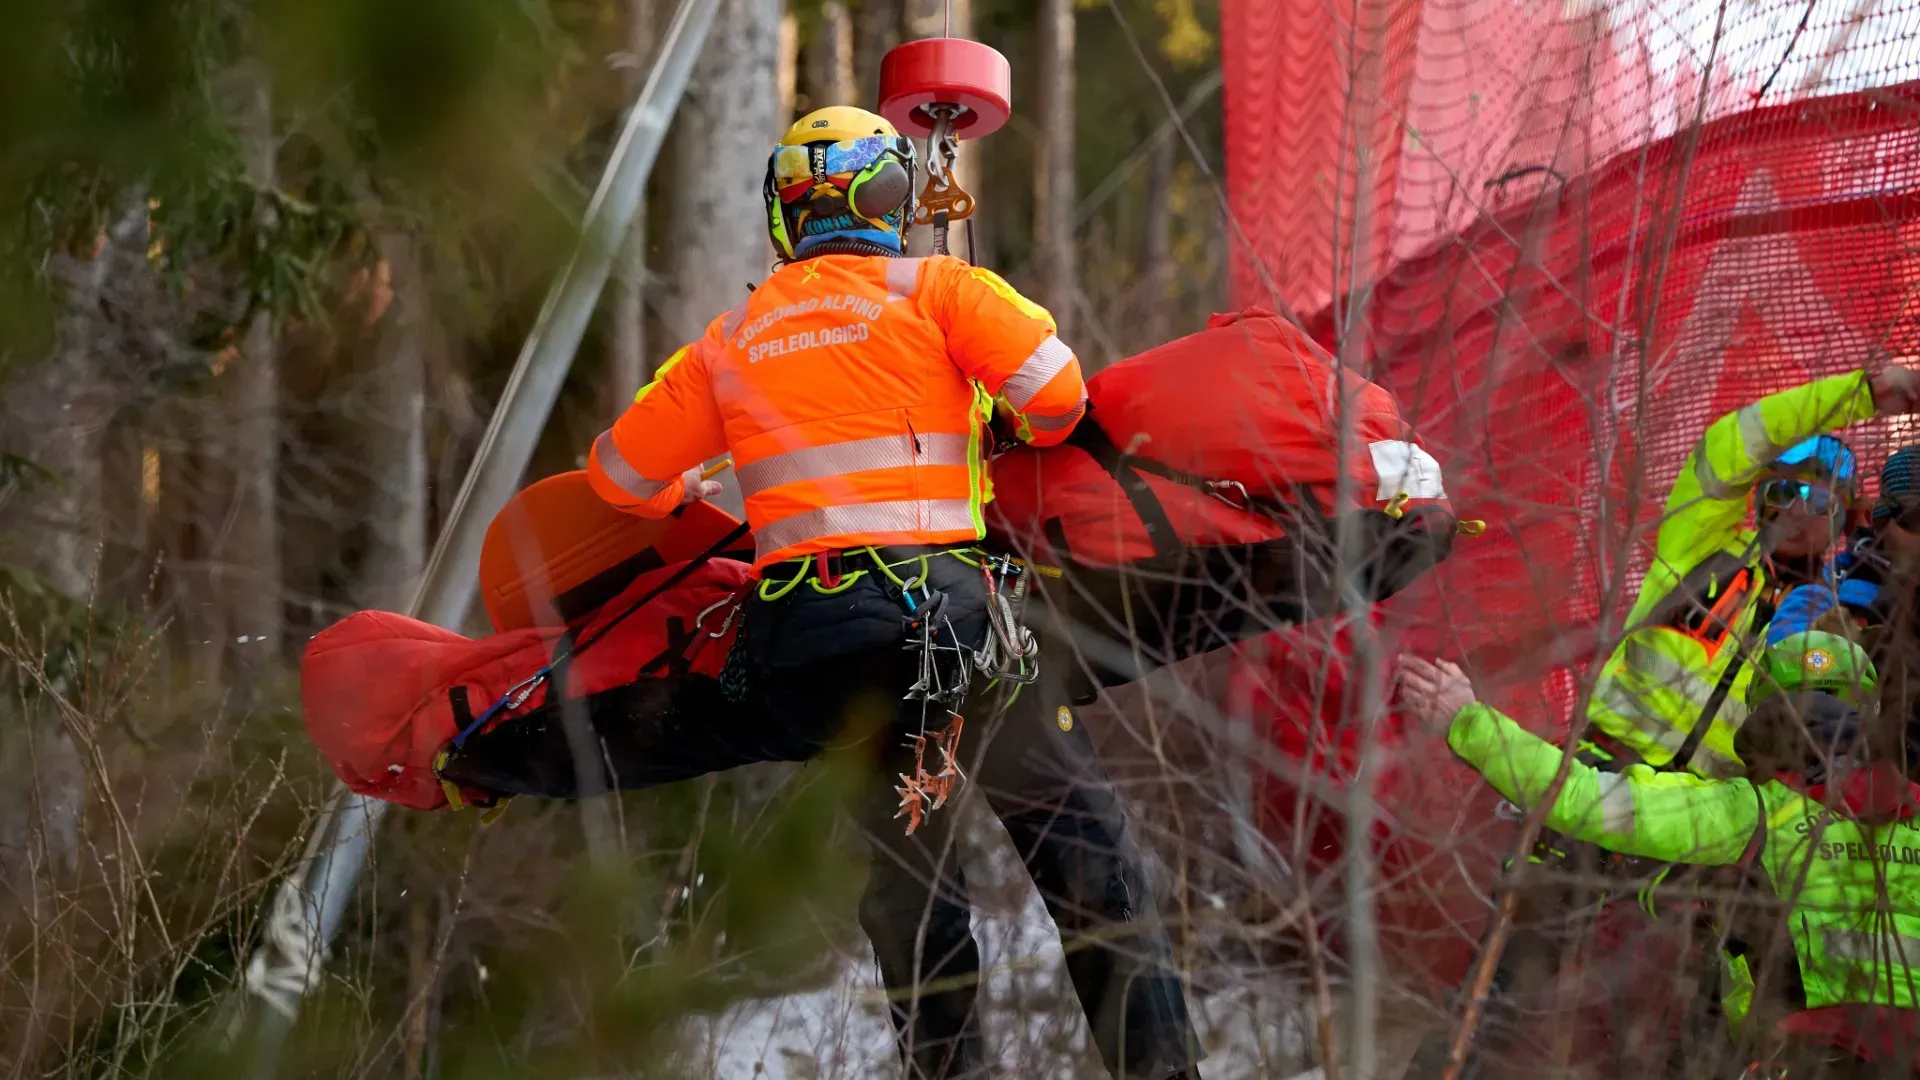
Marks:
<point>1814,471</point>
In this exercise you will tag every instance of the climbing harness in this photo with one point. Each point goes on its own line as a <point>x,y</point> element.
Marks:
<point>1008,655</point>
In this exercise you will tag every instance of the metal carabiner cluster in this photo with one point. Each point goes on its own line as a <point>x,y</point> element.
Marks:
<point>943,201</point>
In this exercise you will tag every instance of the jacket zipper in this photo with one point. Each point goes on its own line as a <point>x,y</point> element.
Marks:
<point>914,475</point>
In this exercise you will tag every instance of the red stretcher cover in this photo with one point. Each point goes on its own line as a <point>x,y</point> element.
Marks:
<point>383,694</point>
<point>1251,399</point>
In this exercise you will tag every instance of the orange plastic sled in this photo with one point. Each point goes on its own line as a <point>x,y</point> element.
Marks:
<point>556,551</point>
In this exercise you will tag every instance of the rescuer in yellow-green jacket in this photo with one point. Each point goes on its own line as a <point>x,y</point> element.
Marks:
<point>1714,578</point>
<point>1825,823</point>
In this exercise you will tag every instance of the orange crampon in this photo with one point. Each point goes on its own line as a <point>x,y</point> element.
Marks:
<point>917,789</point>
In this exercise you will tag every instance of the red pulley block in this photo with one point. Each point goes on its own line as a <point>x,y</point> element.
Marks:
<point>946,71</point>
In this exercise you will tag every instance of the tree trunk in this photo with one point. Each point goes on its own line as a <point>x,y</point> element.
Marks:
<point>54,415</point>
<point>1055,187</point>
<point>714,235</point>
<point>826,61</point>
<point>875,29</point>
<point>394,440</point>
<point>712,215</point>
<point>1156,249</point>
<point>629,367</point>
<point>249,557</point>
<point>786,79</point>
<point>935,18</point>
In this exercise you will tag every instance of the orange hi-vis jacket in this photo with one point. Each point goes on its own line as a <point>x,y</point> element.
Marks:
<point>853,393</point>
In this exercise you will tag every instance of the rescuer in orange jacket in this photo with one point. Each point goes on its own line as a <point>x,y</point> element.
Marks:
<point>854,390</point>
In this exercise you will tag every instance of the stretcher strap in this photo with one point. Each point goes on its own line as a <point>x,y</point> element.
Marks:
<point>518,693</point>
<point>1126,468</point>
<point>1089,436</point>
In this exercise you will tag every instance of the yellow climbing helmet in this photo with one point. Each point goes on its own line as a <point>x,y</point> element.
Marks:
<point>840,182</point>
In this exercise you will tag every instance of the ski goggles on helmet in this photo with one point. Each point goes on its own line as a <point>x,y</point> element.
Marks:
<point>798,171</point>
<point>1817,497</point>
<point>1819,473</point>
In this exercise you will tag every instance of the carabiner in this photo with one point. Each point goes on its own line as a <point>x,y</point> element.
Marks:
<point>1219,488</point>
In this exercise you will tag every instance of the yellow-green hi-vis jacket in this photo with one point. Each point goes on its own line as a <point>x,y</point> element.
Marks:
<point>1660,680</point>
<point>1851,889</point>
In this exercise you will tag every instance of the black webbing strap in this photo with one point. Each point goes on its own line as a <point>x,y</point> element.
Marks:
<point>672,580</point>
<point>1715,701</point>
<point>1126,468</point>
<point>1090,437</point>
<point>567,647</point>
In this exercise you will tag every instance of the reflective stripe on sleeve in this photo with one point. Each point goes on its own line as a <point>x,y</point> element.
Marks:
<point>1059,423</point>
<point>1667,672</point>
<point>615,468</point>
<point>1616,804</point>
<point>1867,947</point>
<point>734,318</point>
<point>857,456</point>
<point>900,516</point>
<point>1631,705</point>
<point>1710,483</point>
<point>1753,433</point>
<point>1755,441</point>
<point>1048,359</point>
<point>903,278</point>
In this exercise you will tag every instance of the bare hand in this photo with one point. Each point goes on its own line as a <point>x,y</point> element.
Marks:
<point>1896,389</point>
<point>1433,692</point>
<point>696,488</point>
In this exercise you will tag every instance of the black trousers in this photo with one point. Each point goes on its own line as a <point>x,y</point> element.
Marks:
<point>1044,782</point>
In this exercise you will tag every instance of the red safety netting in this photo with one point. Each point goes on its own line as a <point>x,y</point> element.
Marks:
<point>1462,106</point>
<point>1573,279</point>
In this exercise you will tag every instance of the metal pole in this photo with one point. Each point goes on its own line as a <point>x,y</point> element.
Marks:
<point>312,903</point>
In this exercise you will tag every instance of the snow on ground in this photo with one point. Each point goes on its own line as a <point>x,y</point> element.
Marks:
<point>1033,1023</point>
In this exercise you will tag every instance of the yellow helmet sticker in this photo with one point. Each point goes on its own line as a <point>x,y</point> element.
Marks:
<point>1064,718</point>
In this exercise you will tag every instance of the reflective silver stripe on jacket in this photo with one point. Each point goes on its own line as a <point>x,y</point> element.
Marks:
<point>1616,804</point>
<point>734,318</point>
<point>1757,442</point>
<point>622,474</point>
<point>901,516</point>
<point>1063,421</point>
<point>1754,435</point>
<point>1049,358</point>
<point>1867,947</point>
<point>1630,705</point>
<point>1657,667</point>
<point>1713,764</point>
<point>903,278</point>
<point>857,456</point>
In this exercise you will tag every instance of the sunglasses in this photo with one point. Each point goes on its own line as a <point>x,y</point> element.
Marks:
<point>1820,498</point>
<point>799,170</point>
